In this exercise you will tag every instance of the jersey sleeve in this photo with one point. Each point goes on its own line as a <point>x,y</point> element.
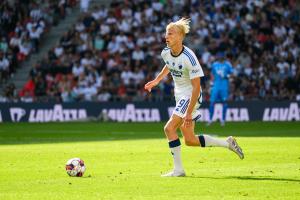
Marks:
<point>164,53</point>
<point>193,65</point>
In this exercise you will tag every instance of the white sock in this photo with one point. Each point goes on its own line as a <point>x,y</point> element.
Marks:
<point>176,152</point>
<point>214,142</point>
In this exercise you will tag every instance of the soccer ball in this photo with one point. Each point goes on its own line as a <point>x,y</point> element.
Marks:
<point>75,167</point>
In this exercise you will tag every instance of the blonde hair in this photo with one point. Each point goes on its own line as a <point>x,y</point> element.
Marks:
<point>183,25</point>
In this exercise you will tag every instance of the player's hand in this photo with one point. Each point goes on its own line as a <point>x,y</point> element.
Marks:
<point>187,120</point>
<point>148,86</point>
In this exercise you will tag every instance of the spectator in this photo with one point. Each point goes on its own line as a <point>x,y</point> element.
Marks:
<point>259,38</point>
<point>84,5</point>
<point>4,67</point>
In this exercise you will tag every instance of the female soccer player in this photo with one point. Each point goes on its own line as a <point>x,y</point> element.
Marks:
<point>186,71</point>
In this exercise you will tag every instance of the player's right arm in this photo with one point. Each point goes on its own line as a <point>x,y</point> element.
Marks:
<point>162,74</point>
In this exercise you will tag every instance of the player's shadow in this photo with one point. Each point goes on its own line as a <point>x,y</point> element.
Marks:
<point>254,178</point>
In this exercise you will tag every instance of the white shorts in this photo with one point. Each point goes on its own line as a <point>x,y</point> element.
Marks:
<point>182,105</point>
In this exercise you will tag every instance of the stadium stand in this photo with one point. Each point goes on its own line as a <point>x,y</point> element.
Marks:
<point>111,52</point>
<point>24,25</point>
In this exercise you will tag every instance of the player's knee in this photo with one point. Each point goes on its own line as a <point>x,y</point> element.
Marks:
<point>168,129</point>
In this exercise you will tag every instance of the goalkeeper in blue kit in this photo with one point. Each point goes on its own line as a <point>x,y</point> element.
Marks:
<point>220,73</point>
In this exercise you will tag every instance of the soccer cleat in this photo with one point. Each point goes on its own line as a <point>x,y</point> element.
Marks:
<point>233,146</point>
<point>174,174</point>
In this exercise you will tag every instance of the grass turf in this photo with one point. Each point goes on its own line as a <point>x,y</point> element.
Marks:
<point>125,160</point>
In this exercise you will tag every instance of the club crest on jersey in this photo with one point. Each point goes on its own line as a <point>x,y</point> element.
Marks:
<point>180,66</point>
<point>173,64</point>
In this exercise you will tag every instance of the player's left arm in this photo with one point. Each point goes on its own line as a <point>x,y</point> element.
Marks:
<point>193,100</point>
<point>195,73</point>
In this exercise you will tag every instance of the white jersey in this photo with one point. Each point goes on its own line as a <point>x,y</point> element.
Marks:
<point>183,68</point>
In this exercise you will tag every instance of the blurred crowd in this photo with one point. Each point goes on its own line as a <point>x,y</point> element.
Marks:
<point>111,52</point>
<point>23,26</point>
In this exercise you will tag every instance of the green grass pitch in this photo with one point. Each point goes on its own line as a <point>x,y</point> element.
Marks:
<point>125,161</point>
